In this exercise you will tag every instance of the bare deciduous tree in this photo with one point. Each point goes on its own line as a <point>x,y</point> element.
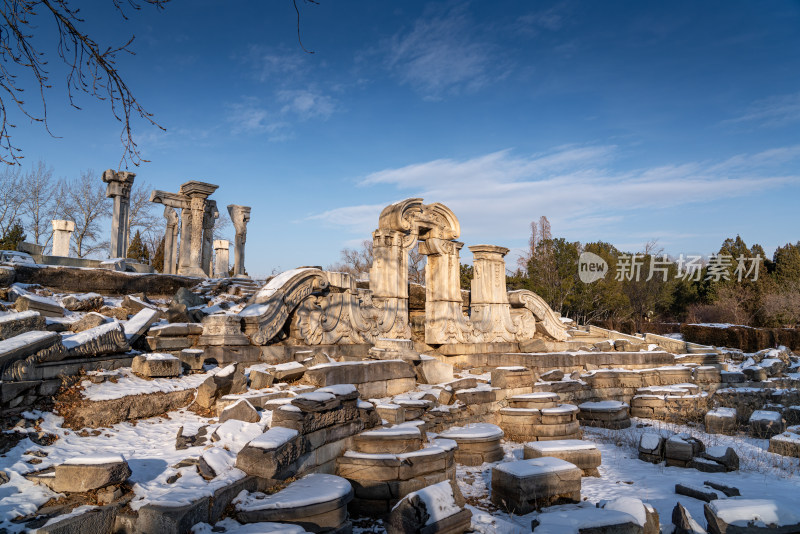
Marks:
<point>43,203</point>
<point>416,266</point>
<point>91,68</point>
<point>355,261</point>
<point>87,205</point>
<point>12,197</point>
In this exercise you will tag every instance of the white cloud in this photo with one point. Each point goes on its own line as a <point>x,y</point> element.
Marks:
<point>441,53</point>
<point>498,194</point>
<point>250,117</point>
<point>772,112</point>
<point>276,65</point>
<point>306,103</point>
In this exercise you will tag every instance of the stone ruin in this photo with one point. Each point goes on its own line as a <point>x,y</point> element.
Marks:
<point>317,402</point>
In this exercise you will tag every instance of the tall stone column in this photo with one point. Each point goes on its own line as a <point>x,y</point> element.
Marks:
<point>240,216</point>
<point>209,218</point>
<point>222,251</point>
<point>197,192</point>
<point>388,281</point>
<point>62,233</point>
<point>119,188</point>
<point>170,239</point>
<point>186,240</point>
<point>490,312</point>
<point>444,320</point>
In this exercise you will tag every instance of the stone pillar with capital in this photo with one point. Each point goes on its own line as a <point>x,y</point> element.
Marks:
<point>197,192</point>
<point>170,240</point>
<point>209,218</point>
<point>240,216</point>
<point>119,188</point>
<point>62,233</point>
<point>222,252</point>
<point>490,312</point>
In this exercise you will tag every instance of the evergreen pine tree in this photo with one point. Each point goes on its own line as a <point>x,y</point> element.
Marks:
<point>158,257</point>
<point>13,237</point>
<point>137,251</point>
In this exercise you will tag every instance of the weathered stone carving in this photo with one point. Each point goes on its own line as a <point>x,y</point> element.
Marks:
<point>341,317</point>
<point>271,306</point>
<point>548,322</point>
<point>119,188</point>
<point>62,233</point>
<point>240,216</point>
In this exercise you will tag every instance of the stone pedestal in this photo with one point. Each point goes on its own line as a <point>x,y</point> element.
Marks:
<point>221,251</point>
<point>119,188</point>
<point>240,216</point>
<point>62,233</point>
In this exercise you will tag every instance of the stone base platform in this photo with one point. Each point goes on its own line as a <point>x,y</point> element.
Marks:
<point>526,485</point>
<point>477,443</point>
<point>584,454</point>
<point>566,361</point>
<point>605,414</point>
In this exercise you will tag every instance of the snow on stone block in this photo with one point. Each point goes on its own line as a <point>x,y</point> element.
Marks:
<point>108,338</point>
<point>721,421</point>
<point>156,365</point>
<point>644,514</point>
<point>584,454</point>
<point>232,526</point>
<point>273,438</point>
<point>765,423</point>
<point>786,444</point>
<point>89,472</point>
<point>347,391</point>
<point>241,410</point>
<point>525,485</point>
<point>651,447</point>
<point>574,519</point>
<point>317,502</point>
<point>754,515</point>
<point>235,434</point>
<point>435,508</point>
<point>137,325</point>
<point>473,432</point>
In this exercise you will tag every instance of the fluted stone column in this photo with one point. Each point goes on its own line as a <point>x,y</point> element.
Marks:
<point>240,216</point>
<point>62,233</point>
<point>222,252</point>
<point>444,320</point>
<point>119,188</point>
<point>170,240</point>
<point>186,239</point>
<point>209,218</point>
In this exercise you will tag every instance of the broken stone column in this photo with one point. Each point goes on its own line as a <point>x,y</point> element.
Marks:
<point>62,233</point>
<point>209,218</point>
<point>221,250</point>
<point>444,320</point>
<point>240,216</point>
<point>170,240</point>
<point>388,280</point>
<point>490,311</point>
<point>119,188</point>
<point>198,193</point>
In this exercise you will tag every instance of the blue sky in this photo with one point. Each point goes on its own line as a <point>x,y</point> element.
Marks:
<point>620,121</point>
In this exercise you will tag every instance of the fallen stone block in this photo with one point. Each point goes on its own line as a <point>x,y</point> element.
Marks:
<point>83,302</point>
<point>585,519</point>
<point>651,447</point>
<point>137,325</point>
<point>644,514</point>
<point>525,485</point>
<point>696,492</point>
<point>108,338</point>
<point>90,320</point>
<point>680,449</point>
<point>156,365</point>
<point>45,306</point>
<point>193,359</point>
<point>721,421</point>
<point>584,454</point>
<point>316,502</point>
<point>90,473</point>
<point>241,411</point>
<point>750,516</point>
<point>684,522</point>
<point>512,377</point>
<point>14,324</point>
<point>260,379</point>
<point>431,371</point>
<point>435,508</point>
<point>766,423</point>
